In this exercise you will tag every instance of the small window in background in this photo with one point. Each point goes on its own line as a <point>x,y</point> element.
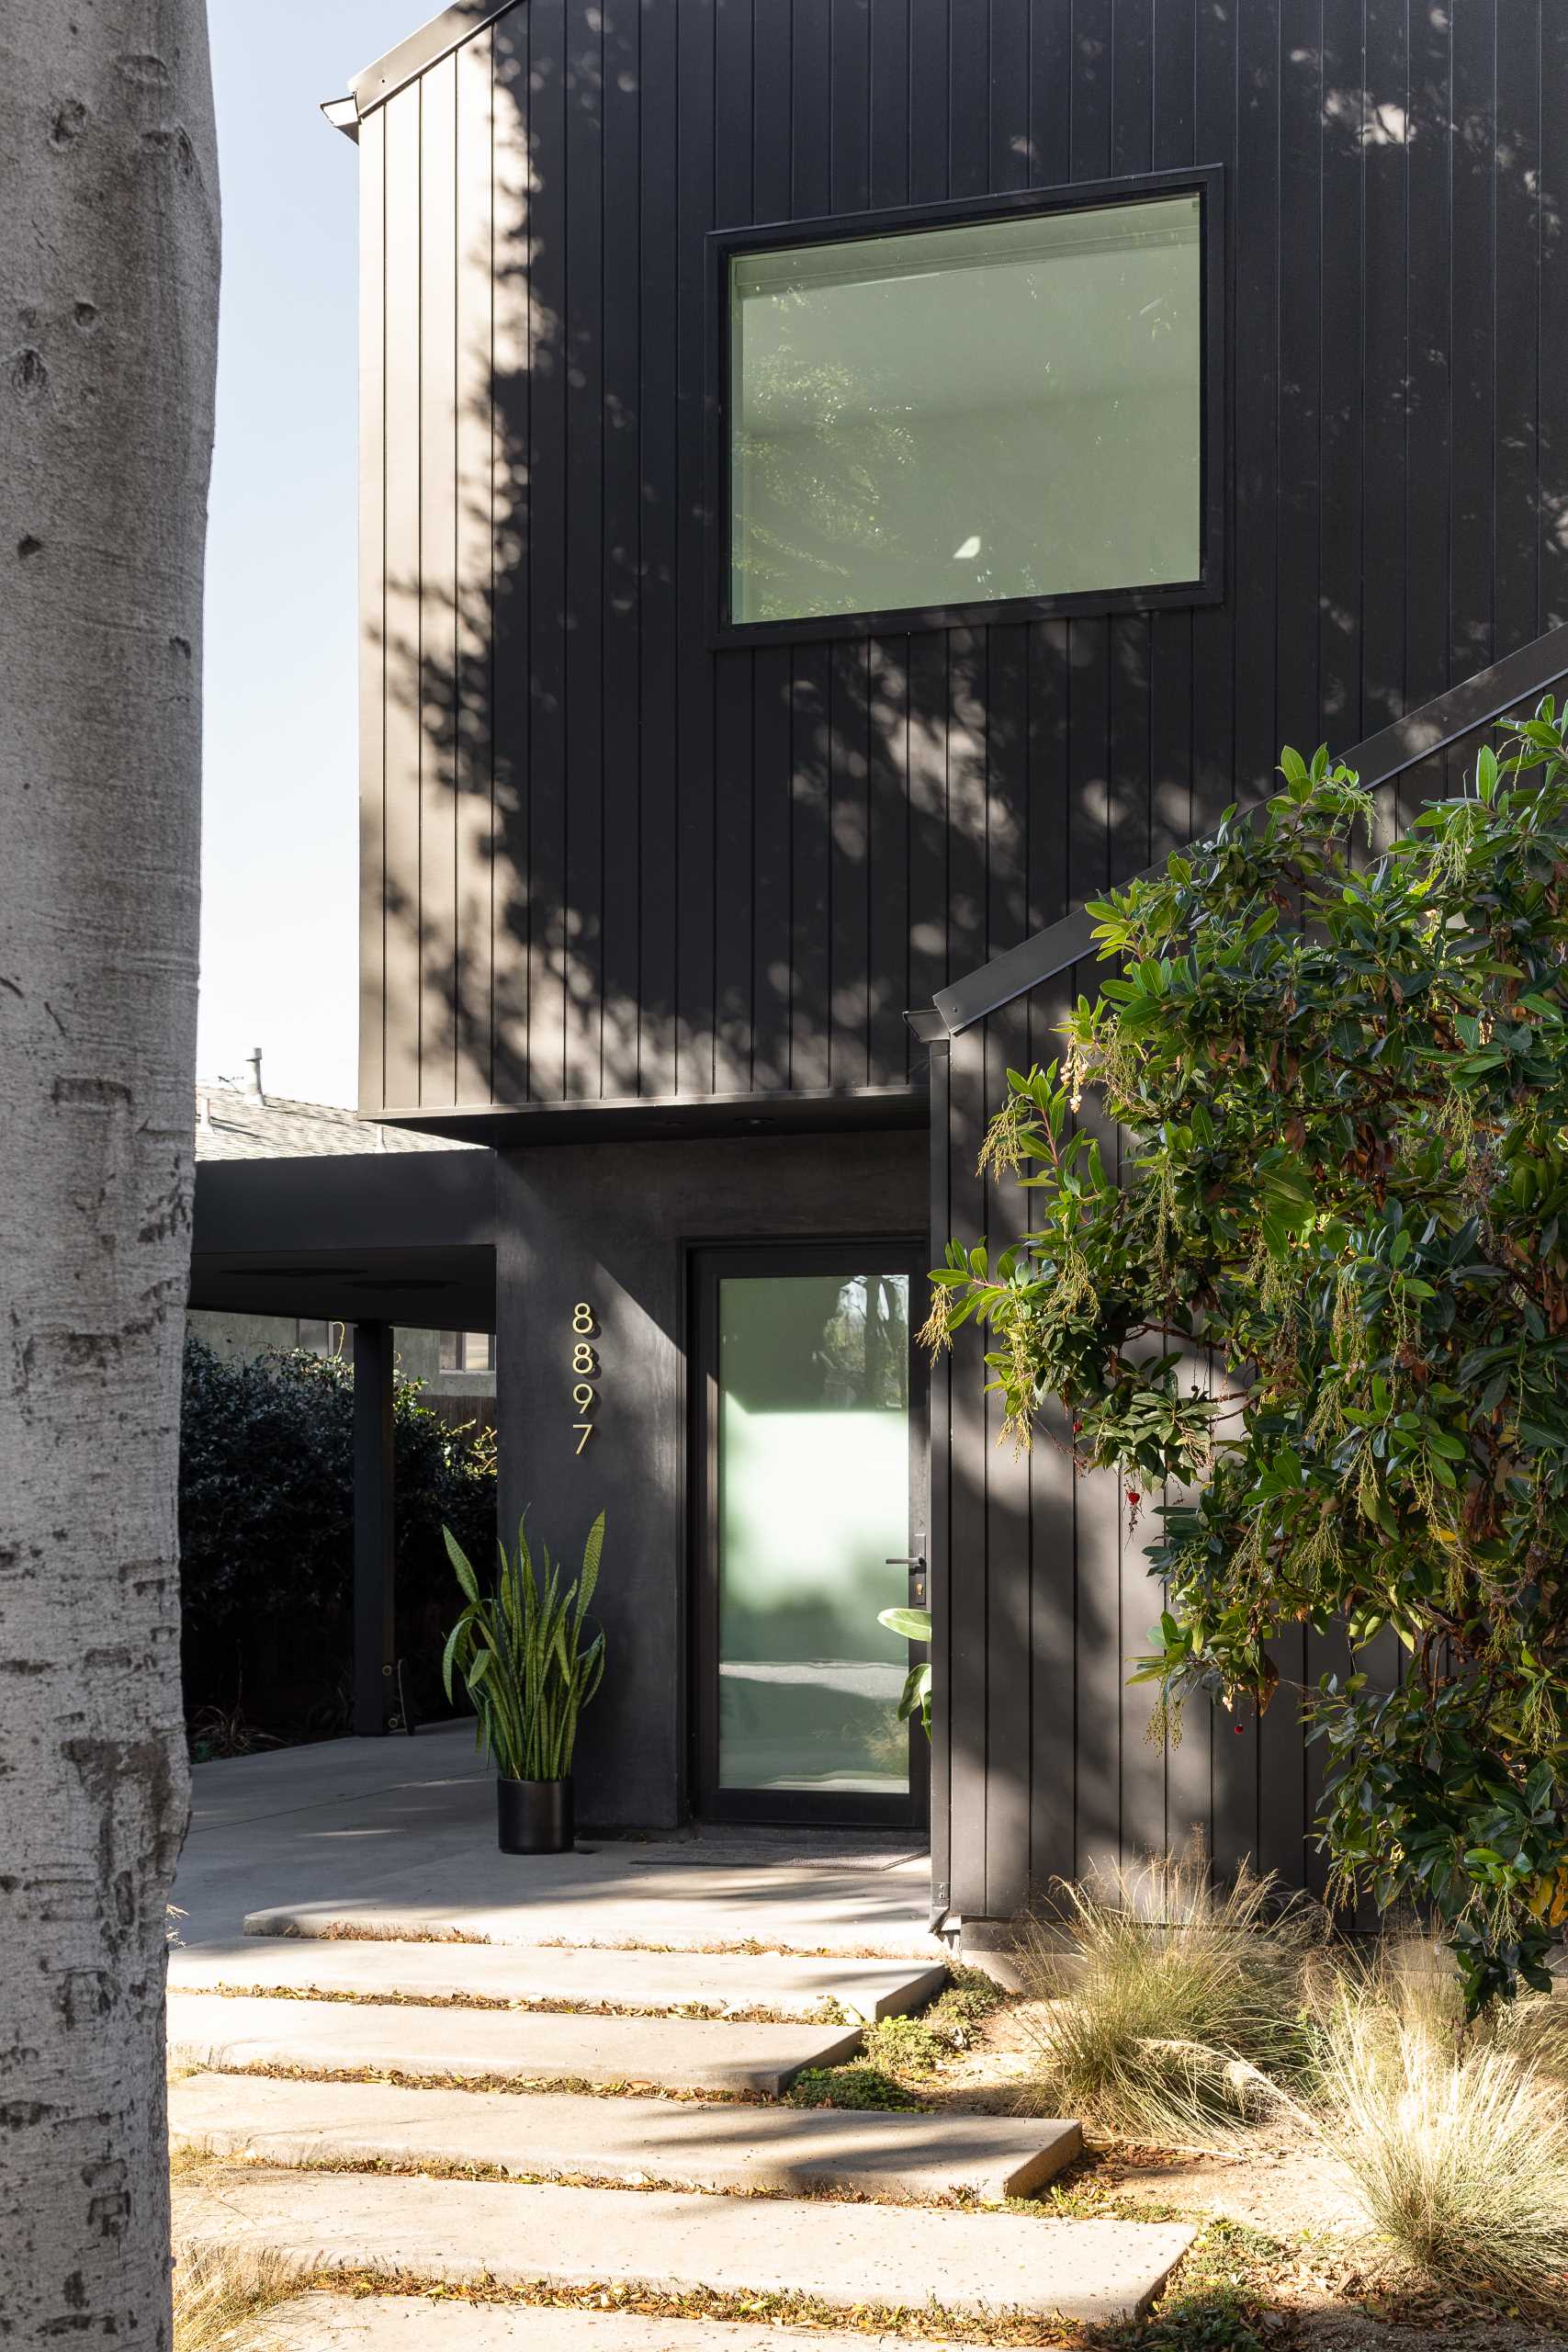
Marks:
<point>991,409</point>
<point>468,1351</point>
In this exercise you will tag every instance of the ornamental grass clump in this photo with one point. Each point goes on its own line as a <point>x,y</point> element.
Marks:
<point>1173,2009</point>
<point>1455,2139</point>
<point>1319,1296</point>
<point>222,2297</point>
<point>526,1655</point>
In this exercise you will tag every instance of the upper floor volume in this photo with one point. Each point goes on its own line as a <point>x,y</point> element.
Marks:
<point>844,480</point>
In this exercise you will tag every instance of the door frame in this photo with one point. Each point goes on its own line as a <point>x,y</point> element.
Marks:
<point>707,1266</point>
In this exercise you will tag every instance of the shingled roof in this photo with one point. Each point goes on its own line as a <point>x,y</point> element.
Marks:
<point>234,1124</point>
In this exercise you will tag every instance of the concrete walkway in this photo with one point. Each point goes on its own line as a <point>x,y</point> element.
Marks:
<point>367,1870</point>
<point>397,1838</point>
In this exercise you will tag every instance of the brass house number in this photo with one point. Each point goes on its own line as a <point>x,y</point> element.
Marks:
<point>584,1369</point>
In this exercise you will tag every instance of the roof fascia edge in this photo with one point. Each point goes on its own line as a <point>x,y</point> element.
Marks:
<point>1475,702</point>
<point>376,83</point>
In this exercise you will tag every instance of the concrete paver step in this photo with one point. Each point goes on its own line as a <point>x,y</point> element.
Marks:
<point>842,2256</point>
<point>466,1890</point>
<point>227,2033</point>
<point>588,1978</point>
<point>679,2144</point>
<point>326,2323</point>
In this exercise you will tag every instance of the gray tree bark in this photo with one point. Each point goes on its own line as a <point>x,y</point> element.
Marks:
<point>108,300</point>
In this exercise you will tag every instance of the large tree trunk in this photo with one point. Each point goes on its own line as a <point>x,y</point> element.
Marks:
<point>108,273</point>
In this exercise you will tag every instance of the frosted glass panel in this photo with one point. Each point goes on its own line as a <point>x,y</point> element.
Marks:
<point>812,1500</point>
<point>948,416</point>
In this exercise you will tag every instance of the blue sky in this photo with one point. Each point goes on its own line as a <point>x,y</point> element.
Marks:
<point>278,866</point>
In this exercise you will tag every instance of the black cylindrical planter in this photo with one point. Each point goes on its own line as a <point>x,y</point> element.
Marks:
<point>533,1816</point>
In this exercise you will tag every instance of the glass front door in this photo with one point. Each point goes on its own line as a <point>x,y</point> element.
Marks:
<point>807,1389</point>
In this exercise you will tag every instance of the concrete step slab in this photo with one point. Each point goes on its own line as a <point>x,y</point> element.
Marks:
<point>675,2144</point>
<point>592,1978</point>
<point>841,2255</point>
<point>465,1889</point>
<point>327,2322</point>
<point>229,2034</point>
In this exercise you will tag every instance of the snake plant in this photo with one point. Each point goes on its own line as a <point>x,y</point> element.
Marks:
<point>523,1656</point>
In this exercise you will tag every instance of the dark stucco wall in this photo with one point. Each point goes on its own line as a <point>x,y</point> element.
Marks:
<point>614,1227</point>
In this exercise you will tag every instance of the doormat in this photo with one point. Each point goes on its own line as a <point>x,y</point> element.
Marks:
<point>713,1857</point>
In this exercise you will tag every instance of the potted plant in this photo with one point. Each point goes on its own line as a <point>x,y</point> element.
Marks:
<point>529,1673</point>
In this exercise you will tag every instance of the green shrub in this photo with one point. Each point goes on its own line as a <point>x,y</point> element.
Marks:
<point>1343,1082</point>
<point>267,1536</point>
<point>1170,2008</point>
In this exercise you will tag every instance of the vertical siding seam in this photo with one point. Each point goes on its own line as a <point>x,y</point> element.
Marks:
<point>1364,349</point>
<point>1322,383</point>
<point>1537,485</point>
<point>530,961</point>
<point>563,620</point>
<point>715,490</point>
<point>490,651</point>
<point>381,135</point>
<point>713,728</point>
<point>1491,420</point>
<point>603,541</point>
<point>419,592</point>
<point>1451,111</point>
<point>459,653</point>
<point>1408,376</point>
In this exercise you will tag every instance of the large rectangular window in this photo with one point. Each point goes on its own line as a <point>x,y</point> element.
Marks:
<point>988,410</point>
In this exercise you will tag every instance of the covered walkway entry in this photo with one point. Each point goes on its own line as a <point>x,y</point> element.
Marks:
<point>381,1242</point>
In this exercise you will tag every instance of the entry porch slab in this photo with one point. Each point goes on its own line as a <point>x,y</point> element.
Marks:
<point>395,1838</point>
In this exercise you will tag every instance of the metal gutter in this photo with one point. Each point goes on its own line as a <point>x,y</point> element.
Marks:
<point>449,30</point>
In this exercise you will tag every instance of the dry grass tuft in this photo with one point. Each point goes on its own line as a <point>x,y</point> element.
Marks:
<point>223,2294</point>
<point>1455,2136</point>
<point>1174,2007</point>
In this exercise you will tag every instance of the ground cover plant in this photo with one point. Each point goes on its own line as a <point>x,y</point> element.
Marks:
<point>1170,2008</point>
<point>1343,1083</point>
<point>266,1542</point>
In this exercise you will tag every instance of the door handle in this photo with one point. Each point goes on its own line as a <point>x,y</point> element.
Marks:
<point>916,1563</point>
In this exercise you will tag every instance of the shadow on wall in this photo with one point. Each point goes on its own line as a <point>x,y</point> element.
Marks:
<point>615,862</point>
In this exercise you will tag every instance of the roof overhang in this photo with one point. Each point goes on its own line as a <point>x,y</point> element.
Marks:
<point>648,1119</point>
<point>406,1239</point>
<point>449,30</point>
<point>1476,702</point>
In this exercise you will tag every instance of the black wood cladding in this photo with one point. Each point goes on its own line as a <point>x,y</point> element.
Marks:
<point>602,859</point>
<point>1043,1766</point>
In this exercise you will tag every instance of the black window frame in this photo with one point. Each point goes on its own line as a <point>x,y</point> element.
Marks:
<point>1205,181</point>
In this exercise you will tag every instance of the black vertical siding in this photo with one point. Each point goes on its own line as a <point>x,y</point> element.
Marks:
<point>602,859</point>
<point>1043,1753</point>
